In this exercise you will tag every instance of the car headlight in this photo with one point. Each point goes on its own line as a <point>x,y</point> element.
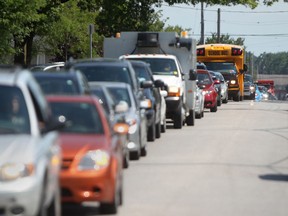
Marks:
<point>94,160</point>
<point>174,91</point>
<point>252,88</point>
<point>13,171</point>
<point>208,92</point>
<point>233,82</point>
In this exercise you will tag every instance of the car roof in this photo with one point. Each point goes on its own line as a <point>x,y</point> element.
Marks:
<point>13,75</point>
<point>168,56</point>
<point>72,98</point>
<point>98,61</point>
<point>109,84</point>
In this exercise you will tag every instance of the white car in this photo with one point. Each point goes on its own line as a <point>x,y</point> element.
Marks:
<point>30,155</point>
<point>199,106</point>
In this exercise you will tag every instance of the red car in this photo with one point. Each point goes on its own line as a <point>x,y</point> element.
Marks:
<point>206,83</point>
<point>92,167</point>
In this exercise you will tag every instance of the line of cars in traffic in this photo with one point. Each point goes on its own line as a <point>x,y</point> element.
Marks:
<point>76,128</point>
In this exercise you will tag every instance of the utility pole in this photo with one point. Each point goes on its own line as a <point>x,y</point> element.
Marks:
<point>91,30</point>
<point>218,26</point>
<point>202,24</point>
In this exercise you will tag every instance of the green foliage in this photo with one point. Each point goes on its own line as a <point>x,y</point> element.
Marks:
<point>225,39</point>
<point>69,36</point>
<point>272,63</point>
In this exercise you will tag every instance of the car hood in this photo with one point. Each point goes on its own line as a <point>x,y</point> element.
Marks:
<point>73,144</point>
<point>17,149</point>
<point>169,80</point>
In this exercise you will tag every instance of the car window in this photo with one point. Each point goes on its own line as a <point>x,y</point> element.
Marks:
<point>14,117</point>
<point>141,73</point>
<point>120,94</point>
<point>204,78</point>
<point>58,86</point>
<point>80,117</point>
<point>106,73</point>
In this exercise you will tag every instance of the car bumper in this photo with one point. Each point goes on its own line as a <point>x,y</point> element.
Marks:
<point>86,186</point>
<point>210,101</point>
<point>21,194</point>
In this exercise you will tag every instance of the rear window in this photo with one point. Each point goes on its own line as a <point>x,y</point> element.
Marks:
<point>58,86</point>
<point>106,73</point>
<point>14,117</point>
<point>81,118</point>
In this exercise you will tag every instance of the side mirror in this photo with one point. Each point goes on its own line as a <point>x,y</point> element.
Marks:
<point>164,93</point>
<point>245,69</point>
<point>159,83</point>
<point>146,84</point>
<point>192,75</point>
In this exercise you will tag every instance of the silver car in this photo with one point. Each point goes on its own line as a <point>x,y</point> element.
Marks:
<point>135,116</point>
<point>30,154</point>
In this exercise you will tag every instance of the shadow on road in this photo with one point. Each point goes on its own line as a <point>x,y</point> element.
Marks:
<point>274,177</point>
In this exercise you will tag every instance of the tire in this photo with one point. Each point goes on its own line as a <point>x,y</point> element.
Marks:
<point>135,155</point>
<point>126,161</point>
<point>236,97</point>
<point>112,208</point>
<point>151,135</point>
<point>158,130</point>
<point>190,120</point>
<point>214,109</point>
<point>143,151</point>
<point>219,102</point>
<point>55,206</point>
<point>163,127</point>
<point>177,119</point>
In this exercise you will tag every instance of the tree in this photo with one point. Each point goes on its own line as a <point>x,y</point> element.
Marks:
<point>68,37</point>
<point>225,39</point>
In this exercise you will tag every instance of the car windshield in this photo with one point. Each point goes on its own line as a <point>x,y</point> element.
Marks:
<point>80,117</point>
<point>221,66</point>
<point>14,117</point>
<point>141,73</point>
<point>120,94</point>
<point>204,78</point>
<point>106,73</point>
<point>160,66</point>
<point>248,78</point>
<point>58,86</point>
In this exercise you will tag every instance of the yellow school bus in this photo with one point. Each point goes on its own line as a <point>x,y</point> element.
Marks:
<point>228,59</point>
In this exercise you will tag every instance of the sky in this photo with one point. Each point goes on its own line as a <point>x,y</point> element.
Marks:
<point>265,28</point>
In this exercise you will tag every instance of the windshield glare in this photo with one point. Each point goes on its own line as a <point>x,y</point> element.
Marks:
<point>160,66</point>
<point>221,66</point>
<point>80,117</point>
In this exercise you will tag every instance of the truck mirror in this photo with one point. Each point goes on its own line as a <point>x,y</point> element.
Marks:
<point>192,75</point>
<point>245,69</point>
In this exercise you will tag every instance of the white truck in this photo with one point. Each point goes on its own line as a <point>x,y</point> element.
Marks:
<point>171,58</point>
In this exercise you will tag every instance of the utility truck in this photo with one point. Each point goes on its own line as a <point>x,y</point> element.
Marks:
<point>172,58</point>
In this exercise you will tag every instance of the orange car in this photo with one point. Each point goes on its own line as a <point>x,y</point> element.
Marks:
<point>92,167</point>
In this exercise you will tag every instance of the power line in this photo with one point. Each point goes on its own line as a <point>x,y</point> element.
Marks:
<point>224,10</point>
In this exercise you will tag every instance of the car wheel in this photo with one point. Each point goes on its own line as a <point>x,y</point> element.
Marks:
<point>108,208</point>
<point>151,132</point>
<point>126,161</point>
<point>143,151</point>
<point>135,155</point>
<point>219,102</point>
<point>214,109</point>
<point>202,114</point>
<point>158,130</point>
<point>236,97</point>
<point>190,120</point>
<point>163,126</point>
<point>177,120</point>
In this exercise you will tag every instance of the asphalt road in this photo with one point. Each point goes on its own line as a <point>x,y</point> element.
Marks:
<point>231,163</point>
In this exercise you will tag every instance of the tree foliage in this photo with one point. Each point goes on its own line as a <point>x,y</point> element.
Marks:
<point>60,26</point>
<point>225,39</point>
<point>272,63</point>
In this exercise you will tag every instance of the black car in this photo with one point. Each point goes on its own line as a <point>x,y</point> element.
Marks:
<point>63,82</point>
<point>144,73</point>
